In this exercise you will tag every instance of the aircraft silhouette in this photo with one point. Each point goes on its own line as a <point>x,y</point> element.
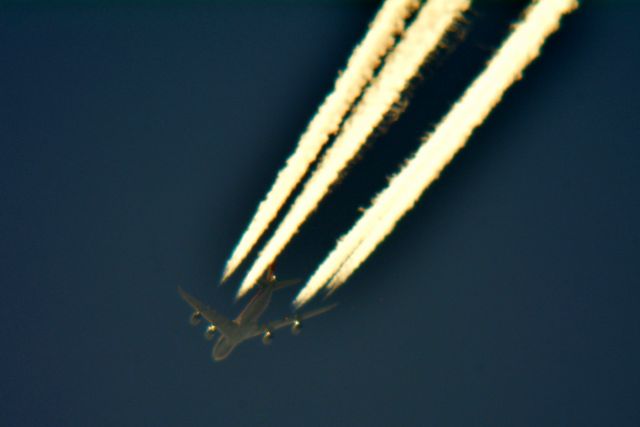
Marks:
<point>246,325</point>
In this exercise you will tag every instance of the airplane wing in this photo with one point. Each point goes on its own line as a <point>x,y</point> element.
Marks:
<point>221,322</point>
<point>289,320</point>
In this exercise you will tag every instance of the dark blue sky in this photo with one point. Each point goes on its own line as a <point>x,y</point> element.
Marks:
<point>138,140</point>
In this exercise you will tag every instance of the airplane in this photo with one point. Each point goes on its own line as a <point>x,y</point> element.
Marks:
<point>246,326</point>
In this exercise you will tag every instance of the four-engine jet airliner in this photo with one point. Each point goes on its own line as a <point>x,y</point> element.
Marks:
<point>246,326</point>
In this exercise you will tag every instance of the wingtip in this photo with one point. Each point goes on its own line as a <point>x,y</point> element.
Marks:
<point>183,294</point>
<point>330,307</point>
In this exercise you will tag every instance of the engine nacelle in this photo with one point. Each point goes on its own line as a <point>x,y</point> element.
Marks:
<point>196,318</point>
<point>209,332</point>
<point>296,326</point>
<point>267,337</point>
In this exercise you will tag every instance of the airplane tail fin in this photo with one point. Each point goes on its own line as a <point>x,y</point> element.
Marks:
<point>271,279</point>
<point>270,275</point>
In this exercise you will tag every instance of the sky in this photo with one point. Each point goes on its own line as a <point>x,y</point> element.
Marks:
<point>139,138</point>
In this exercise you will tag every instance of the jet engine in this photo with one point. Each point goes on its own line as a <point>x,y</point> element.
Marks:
<point>209,332</point>
<point>296,326</point>
<point>195,319</point>
<point>267,337</point>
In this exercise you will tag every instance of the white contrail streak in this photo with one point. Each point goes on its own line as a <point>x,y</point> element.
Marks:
<point>521,47</point>
<point>380,38</point>
<point>402,64</point>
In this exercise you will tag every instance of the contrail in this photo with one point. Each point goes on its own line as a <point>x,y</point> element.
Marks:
<point>421,38</point>
<point>380,38</point>
<point>521,47</point>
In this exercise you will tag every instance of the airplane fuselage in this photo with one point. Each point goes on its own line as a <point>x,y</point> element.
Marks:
<point>246,326</point>
<point>247,322</point>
